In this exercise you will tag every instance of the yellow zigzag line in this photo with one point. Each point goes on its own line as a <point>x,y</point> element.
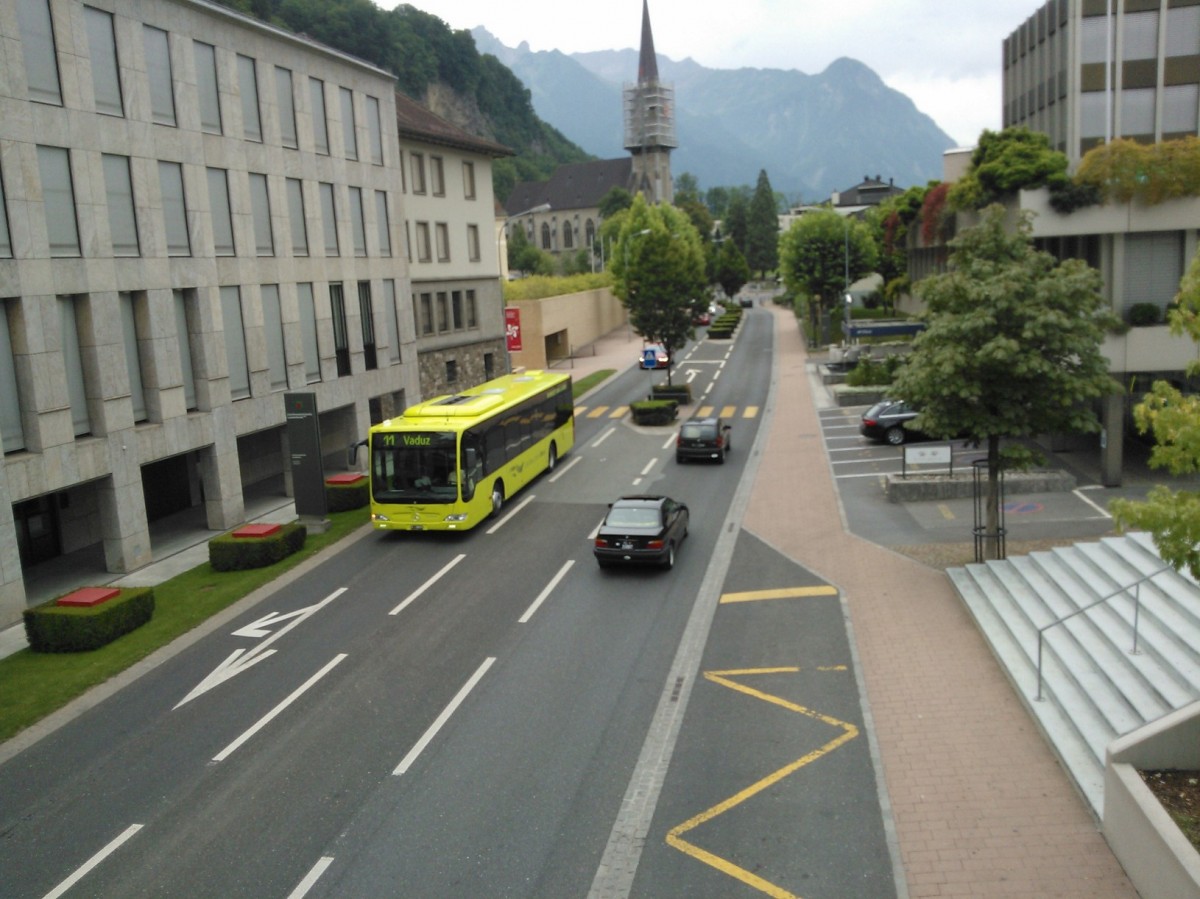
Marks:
<point>675,835</point>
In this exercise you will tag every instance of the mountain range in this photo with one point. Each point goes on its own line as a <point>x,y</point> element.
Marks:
<point>812,134</point>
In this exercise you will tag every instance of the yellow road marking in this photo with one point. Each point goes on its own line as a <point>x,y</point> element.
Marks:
<point>784,593</point>
<point>728,411</point>
<point>675,835</point>
<point>597,412</point>
<point>945,510</point>
<point>750,412</point>
<point>704,411</point>
<point>618,412</point>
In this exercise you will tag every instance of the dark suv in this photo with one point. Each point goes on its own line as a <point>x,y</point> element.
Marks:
<point>702,438</point>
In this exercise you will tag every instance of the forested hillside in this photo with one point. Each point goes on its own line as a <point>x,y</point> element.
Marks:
<point>436,66</point>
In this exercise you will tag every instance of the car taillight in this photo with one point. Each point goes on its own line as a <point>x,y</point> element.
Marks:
<point>870,422</point>
<point>720,441</point>
<point>654,544</point>
<point>679,440</point>
<point>601,542</point>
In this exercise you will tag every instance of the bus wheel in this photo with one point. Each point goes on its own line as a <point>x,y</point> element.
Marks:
<point>497,498</point>
<point>552,459</point>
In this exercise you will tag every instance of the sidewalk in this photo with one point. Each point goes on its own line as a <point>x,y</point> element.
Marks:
<point>980,804</point>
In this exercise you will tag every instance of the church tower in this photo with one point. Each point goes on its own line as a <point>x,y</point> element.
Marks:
<point>650,123</point>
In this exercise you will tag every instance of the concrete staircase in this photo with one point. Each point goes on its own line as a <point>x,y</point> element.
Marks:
<point>1094,686</point>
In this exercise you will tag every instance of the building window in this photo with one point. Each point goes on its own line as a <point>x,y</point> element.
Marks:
<point>357,222</point>
<point>222,217</point>
<point>418,172</point>
<point>437,175</point>
<point>375,129</point>
<point>273,332</point>
<point>341,339</point>
<point>206,87</point>
<point>133,358</point>
<point>423,254</point>
<point>316,90</point>
<point>248,85</point>
<point>1140,35</point>
<point>1183,30</point>
<point>122,220</point>
<point>68,308</point>
<point>425,325</point>
<point>158,74</point>
<point>469,180</point>
<point>58,201</point>
<point>299,225</point>
<point>451,371</point>
<point>403,175</point>
<point>568,236</point>
<point>102,47</point>
<point>382,223</point>
<point>11,428</point>
<point>1180,102</point>
<point>170,183</point>
<point>184,342</point>
<point>392,314</point>
<point>41,61</point>
<point>285,99</point>
<point>472,310</point>
<point>489,366</point>
<point>366,315</point>
<point>443,242</point>
<point>308,333</point>
<point>1137,111</point>
<point>234,330</point>
<point>329,219</point>
<point>407,243</point>
<point>456,309</point>
<point>443,312</point>
<point>349,137</point>
<point>260,203</point>
<point>473,242</point>
<point>546,242</point>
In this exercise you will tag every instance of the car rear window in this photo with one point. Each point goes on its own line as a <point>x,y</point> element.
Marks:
<point>693,432</point>
<point>633,517</point>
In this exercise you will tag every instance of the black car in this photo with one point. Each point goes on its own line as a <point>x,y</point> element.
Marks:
<point>703,438</point>
<point>885,421</point>
<point>641,529</point>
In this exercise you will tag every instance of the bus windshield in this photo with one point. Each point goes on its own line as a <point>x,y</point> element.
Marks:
<point>414,467</point>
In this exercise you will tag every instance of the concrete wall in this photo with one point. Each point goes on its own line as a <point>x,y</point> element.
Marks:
<point>554,328</point>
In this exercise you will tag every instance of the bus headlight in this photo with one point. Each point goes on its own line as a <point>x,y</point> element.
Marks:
<point>379,516</point>
<point>457,516</point>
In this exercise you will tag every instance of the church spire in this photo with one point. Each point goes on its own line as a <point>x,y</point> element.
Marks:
<point>647,61</point>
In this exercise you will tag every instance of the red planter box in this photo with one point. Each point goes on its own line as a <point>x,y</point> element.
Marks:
<point>87,596</point>
<point>256,530</point>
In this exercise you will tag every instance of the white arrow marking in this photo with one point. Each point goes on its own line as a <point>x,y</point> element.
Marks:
<point>262,627</point>
<point>241,659</point>
<point>691,375</point>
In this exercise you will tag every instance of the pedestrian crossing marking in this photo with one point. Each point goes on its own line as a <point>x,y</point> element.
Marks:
<point>782,593</point>
<point>597,412</point>
<point>618,412</point>
<point>583,411</point>
<point>750,412</point>
<point>728,411</point>
<point>704,411</point>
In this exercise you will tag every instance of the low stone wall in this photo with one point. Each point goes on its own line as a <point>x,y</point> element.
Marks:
<point>1150,847</point>
<point>918,487</point>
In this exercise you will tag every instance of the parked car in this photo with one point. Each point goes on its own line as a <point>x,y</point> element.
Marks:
<point>703,317</point>
<point>703,438</point>
<point>641,529</point>
<point>885,421</point>
<point>654,356</point>
<point>746,301</point>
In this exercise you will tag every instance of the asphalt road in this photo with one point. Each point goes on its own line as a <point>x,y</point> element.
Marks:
<point>489,714</point>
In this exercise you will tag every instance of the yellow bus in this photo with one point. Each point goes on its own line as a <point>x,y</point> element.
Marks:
<point>448,463</point>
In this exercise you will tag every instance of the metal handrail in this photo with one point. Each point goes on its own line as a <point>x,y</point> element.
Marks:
<point>1136,585</point>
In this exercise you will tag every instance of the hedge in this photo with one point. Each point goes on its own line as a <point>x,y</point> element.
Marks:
<point>230,553</point>
<point>54,628</point>
<point>344,497</point>
<point>680,393</point>
<point>653,412</point>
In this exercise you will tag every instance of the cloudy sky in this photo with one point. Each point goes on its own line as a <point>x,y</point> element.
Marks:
<point>944,55</point>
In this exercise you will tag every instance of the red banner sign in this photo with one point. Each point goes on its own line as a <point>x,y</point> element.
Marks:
<point>512,328</point>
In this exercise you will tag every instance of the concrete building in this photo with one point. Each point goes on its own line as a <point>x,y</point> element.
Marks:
<point>198,213</point>
<point>1084,76</point>
<point>450,237</point>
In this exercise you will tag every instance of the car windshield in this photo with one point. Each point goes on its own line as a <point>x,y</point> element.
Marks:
<point>633,517</point>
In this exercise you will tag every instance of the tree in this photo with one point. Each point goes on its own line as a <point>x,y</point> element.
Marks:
<point>729,268</point>
<point>658,272</point>
<point>523,256</point>
<point>822,254</point>
<point>734,225</point>
<point>1004,163</point>
<point>762,228</point>
<point>699,215</point>
<point>1172,516</point>
<point>687,187</point>
<point>1011,347</point>
<point>614,201</point>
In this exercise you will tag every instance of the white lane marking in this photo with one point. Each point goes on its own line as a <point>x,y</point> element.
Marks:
<point>1098,508</point>
<point>311,878</point>
<point>459,697</point>
<point>517,508</point>
<point>603,436</point>
<point>670,442</point>
<point>87,866</point>
<point>429,583</point>
<point>271,715</point>
<point>649,465</point>
<point>563,469</point>
<point>546,592</point>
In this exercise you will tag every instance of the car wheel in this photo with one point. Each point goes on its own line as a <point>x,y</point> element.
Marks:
<point>669,559</point>
<point>552,459</point>
<point>721,458</point>
<point>679,460</point>
<point>894,435</point>
<point>497,498</point>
